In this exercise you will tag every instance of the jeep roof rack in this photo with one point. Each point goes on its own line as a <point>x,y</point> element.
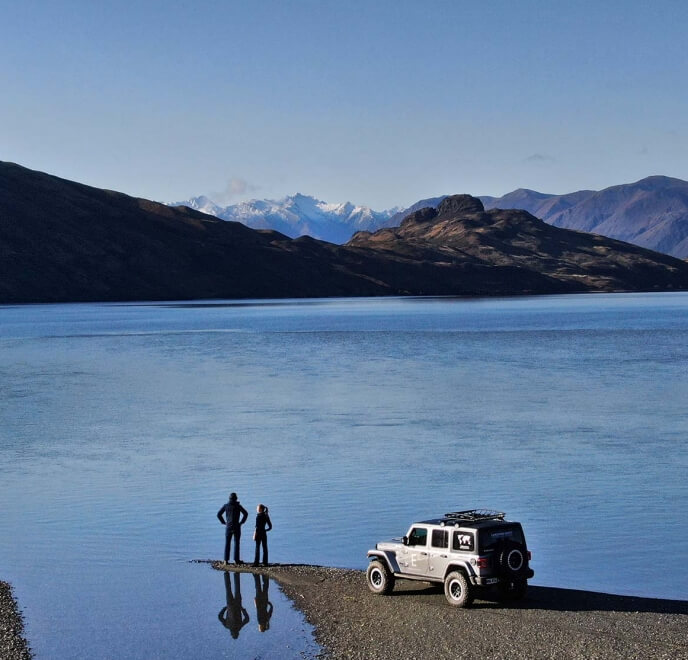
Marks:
<point>473,515</point>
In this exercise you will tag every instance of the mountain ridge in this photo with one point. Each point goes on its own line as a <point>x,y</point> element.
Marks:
<point>651,212</point>
<point>63,241</point>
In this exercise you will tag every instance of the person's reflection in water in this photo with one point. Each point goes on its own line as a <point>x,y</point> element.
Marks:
<point>233,616</point>
<point>263,605</point>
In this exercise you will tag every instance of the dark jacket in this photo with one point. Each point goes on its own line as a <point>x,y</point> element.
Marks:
<point>263,524</point>
<point>233,510</point>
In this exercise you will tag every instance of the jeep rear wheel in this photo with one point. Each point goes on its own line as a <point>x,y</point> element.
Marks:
<point>379,578</point>
<point>457,590</point>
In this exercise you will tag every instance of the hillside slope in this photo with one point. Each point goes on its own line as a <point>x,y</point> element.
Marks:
<point>460,230</point>
<point>64,241</point>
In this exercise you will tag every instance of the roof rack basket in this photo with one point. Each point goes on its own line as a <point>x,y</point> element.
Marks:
<point>472,515</point>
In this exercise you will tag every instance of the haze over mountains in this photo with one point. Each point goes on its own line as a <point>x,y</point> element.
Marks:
<point>652,213</point>
<point>63,241</point>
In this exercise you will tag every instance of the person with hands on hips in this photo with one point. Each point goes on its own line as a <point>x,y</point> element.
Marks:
<point>236,516</point>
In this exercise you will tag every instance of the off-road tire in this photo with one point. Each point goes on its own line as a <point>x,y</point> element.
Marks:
<point>379,578</point>
<point>512,560</point>
<point>457,590</point>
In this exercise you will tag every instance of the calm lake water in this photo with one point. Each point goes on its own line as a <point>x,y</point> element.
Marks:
<point>124,427</point>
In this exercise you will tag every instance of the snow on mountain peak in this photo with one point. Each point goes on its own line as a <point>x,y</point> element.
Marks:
<point>297,215</point>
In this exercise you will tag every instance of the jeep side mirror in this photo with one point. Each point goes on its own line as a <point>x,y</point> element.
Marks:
<point>404,540</point>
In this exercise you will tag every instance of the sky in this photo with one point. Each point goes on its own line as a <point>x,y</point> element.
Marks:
<point>379,103</point>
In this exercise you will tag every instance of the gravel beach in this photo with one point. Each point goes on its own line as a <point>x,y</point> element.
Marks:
<point>13,646</point>
<point>415,621</point>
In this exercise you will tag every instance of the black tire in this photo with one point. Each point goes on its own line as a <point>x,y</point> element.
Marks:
<point>514,589</point>
<point>457,590</point>
<point>512,560</point>
<point>380,579</point>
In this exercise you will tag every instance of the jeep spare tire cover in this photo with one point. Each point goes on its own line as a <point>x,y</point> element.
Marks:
<point>512,558</point>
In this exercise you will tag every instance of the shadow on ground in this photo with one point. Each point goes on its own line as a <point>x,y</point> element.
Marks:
<point>559,600</point>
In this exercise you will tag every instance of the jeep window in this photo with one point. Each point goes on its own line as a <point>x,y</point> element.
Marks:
<point>440,538</point>
<point>418,536</point>
<point>493,537</point>
<point>464,541</point>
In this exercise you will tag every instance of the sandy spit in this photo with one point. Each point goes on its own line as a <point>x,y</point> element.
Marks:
<point>13,646</point>
<point>416,622</point>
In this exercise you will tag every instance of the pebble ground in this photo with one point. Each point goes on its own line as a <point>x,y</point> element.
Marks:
<point>416,622</point>
<point>13,646</point>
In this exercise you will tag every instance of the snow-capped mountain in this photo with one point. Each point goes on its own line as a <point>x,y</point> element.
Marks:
<point>298,215</point>
<point>652,213</point>
<point>202,204</point>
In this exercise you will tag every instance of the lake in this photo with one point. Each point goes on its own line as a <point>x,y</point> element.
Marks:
<point>125,426</point>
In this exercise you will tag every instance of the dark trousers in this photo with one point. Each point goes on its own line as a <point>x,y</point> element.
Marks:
<point>261,539</point>
<point>236,533</point>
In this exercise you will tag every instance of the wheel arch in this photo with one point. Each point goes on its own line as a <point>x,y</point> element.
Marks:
<point>388,558</point>
<point>461,567</point>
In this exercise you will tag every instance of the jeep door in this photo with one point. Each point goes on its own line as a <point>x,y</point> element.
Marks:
<point>438,556</point>
<point>413,557</point>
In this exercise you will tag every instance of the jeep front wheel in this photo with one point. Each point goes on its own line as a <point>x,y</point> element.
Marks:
<point>457,590</point>
<point>379,578</point>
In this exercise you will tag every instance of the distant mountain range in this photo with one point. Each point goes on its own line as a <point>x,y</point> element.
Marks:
<point>652,213</point>
<point>298,215</point>
<point>62,241</point>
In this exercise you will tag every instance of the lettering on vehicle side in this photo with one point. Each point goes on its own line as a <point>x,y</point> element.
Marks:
<point>500,535</point>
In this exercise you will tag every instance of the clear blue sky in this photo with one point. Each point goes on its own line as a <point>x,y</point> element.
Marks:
<point>379,103</point>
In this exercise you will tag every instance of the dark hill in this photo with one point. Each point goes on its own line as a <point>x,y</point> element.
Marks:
<point>651,213</point>
<point>64,241</point>
<point>461,231</point>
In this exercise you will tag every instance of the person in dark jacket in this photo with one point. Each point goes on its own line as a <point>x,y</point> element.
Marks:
<point>260,536</point>
<point>236,517</point>
<point>233,616</point>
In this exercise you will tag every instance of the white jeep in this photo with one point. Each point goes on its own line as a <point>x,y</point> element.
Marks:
<point>468,551</point>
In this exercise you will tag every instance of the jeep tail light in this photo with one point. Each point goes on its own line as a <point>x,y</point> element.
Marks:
<point>483,562</point>
<point>529,556</point>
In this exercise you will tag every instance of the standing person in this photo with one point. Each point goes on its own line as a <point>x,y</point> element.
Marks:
<point>236,517</point>
<point>260,536</point>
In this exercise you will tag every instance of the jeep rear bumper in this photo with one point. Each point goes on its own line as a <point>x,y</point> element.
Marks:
<point>491,581</point>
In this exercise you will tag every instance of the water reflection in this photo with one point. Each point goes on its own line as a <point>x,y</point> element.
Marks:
<point>233,615</point>
<point>262,600</point>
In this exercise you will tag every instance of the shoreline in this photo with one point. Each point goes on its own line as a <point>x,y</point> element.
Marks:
<point>415,621</point>
<point>402,296</point>
<point>13,644</point>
